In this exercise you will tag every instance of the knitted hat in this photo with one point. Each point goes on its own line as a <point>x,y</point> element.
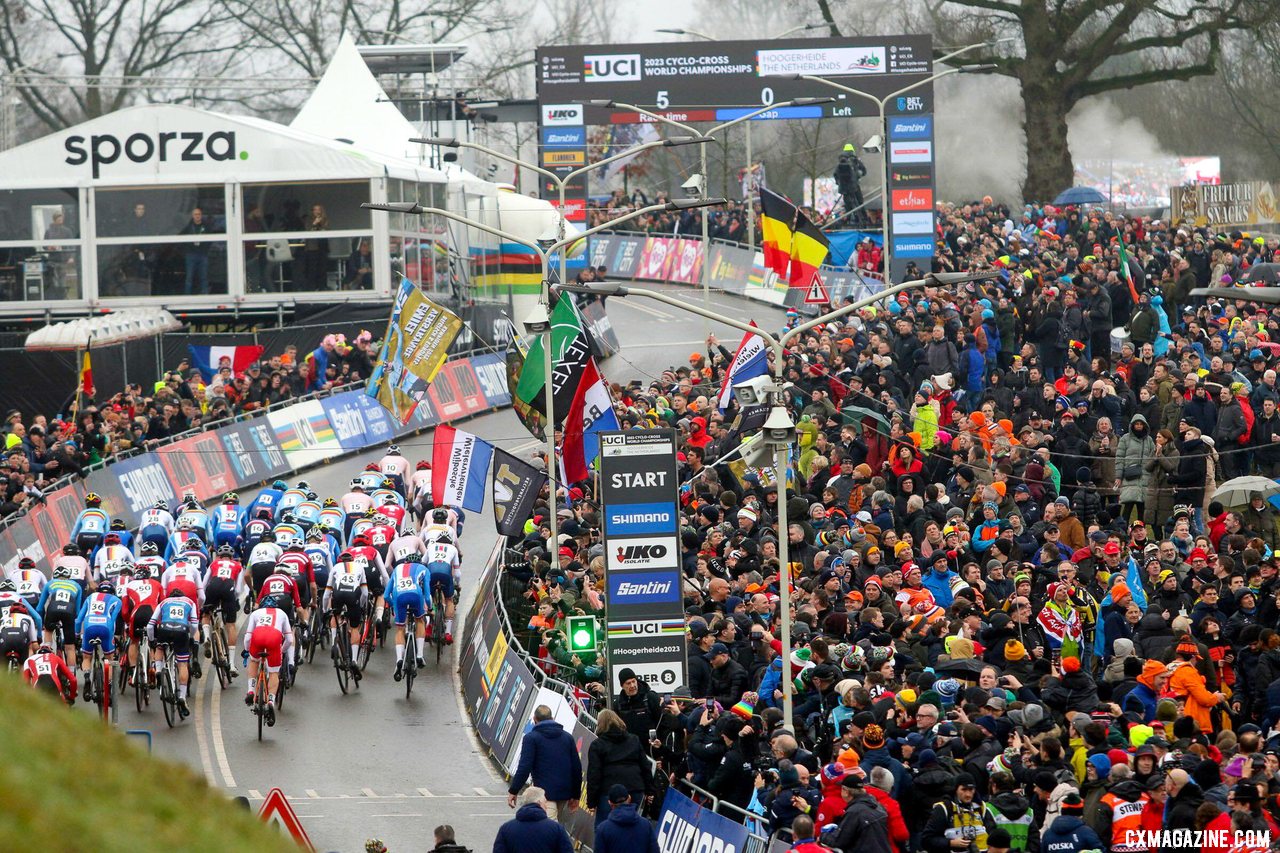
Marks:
<point>1072,804</point>
<point>873,737</point>
<point>1187,646</point>
<point>947,688</point>
<point>1071,664</point>
<point>1045,781</point>
<point>1101,763</point>
<point>1014,651</point>
<point>1166,710</point>
<point>1118,756</point>
<point>848,759</point>
<point>1140,734</point>
<point>743,710</point>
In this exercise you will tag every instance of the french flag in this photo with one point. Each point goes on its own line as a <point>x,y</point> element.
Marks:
<point>750,361</point>
<point>207,360</point>
<point>459,463</point>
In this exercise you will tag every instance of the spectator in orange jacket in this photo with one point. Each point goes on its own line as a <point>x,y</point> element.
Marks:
<point>1186,683</point>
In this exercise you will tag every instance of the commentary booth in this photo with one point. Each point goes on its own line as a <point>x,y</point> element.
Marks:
<point>196,211</point>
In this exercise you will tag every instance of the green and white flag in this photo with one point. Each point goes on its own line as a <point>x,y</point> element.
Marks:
<point>570,352</point>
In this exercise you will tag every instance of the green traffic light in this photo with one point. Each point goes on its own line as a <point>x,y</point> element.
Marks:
<point>581,639</point>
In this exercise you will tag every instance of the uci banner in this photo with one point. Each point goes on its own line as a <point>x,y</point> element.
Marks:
<point>413,351</point>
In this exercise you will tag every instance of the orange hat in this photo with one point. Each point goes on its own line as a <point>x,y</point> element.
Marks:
<point>979,419</point>
<point>999,488</point>
<point>1071,664</point>
<point>1120,590</point>
<point>853,595</point>
<point>1150,670</point>
<point>1006,425</point>
<point>848,759</point>
<point>696,357</point>
<point>915,437</point>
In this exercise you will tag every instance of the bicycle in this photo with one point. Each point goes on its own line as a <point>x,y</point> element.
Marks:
<point>410,653</point>
<point>142,674</point>
<point>264,714</point>
<point>437,622</point>
<point>316,635</point>
<point>341,652</point>
<point>167,684</point>
<point>217,647</point>
<point>368,636</point>
<point>100,682</point>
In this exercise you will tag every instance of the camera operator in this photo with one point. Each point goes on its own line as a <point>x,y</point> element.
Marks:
<point>787,797</point>
<point>956,824</point>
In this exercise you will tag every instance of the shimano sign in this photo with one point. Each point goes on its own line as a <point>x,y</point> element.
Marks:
<point>103,149</point>
<point>640,519</point>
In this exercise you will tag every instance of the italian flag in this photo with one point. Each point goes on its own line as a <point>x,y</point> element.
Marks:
<point>1125,272</point>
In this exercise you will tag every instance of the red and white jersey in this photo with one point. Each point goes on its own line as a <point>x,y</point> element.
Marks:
<point>395,513</point>
<point>280,584</point>
<point>227,569</point>
<point>79,567</point>
<point>49,665</point>
<point>186,577</point>
<point>368,556</point>
<point>274,621</point>
<point>443,552</point>
<point>381,536</point>
<point>112,561</point>
<point>155,564</point>
<point>30,582</point>
<point>301,564</point>
<point>396,466</point>
<point>141,593</point>
<point>355,503</point>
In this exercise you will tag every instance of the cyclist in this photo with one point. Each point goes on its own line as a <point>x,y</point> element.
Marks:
<point>195,518</point>
<point>288,530</point>
<point>254,528</point>
<point>228,521</point>
<point>175,622</point>
<point>347,593</point>
<point>141,597</point>
<point>185,577</point>
<point>332,516</point>
<point>441,529</point>
<point>407,540</point>
<point>298,565</point>
<point>375,571</point>
<point>97,621</point>
<point>444,564</point>
<point>59,604</point>
<point>225,587</point>
<point>267,499</point>
<point>395,468</point>
<point>150,557</point>
<point>91,525</point>
<point>157,524</point>
<point>18,634</point>
<point>381,533</point>
<point>48,671</point>
<point>262,560</point>
<point>29,580</point>
<point>283,587</point>
<point>291,498</point>
<point>125,537</point>
<point>307,513</point>
<point>420,490</point>
<point>371,477</point>
<point>269,631</point>
<point>385,494</point>
<point>74,562</point>
<point>407,590</point>
<point>185,535</point>
<point>9,596</point>
<point>193,556</point>
<point>393,508</point>
<point>354,504</point>
<point>113,560</point>
<point>319,553</point>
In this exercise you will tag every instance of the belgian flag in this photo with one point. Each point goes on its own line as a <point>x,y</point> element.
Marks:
<point>776,218</point>
<point>809,247</point>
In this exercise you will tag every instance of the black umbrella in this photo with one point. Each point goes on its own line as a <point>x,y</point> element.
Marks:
<point>1261,274</point>
<point>966,668</point>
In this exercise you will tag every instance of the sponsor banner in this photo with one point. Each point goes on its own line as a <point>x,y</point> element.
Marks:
<point>686,262</point>
<point>685,826</point>
<point>910,127</point>
<point>358,420</point>
<point>53,520</point>
<point>498,688</point>
<point>1226,205</point>
<point>198,465</point>
<point>911,152</point>
<point>911,176</point>
<point>491,374</point>
<point>564,137</point>
<point>516,486</point>
<point>913,199</point>
<point>913,247</point>
<point>253,452</point>
<point>610,67</point>
<point>822,61</point>
<point>636,629</point>
<point>656,258</point>
<point>630,589</point>
<point>304,434</point>
<point>661,677</point>
<point>143,481</point>
<point>912,223</point>
<point>564,157</point>
<point>414,349</point>
<point>562,115</point>
<point>456,391</point>
<point>640,519</point>
<point>619,255</point>
<point>649,552</point>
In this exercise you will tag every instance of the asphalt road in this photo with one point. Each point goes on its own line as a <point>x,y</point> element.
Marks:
<point>372,764</point>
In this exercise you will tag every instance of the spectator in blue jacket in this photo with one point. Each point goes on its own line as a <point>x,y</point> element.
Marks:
<point>531,831</point>
<point>625,831</point>
<point>548,755</point>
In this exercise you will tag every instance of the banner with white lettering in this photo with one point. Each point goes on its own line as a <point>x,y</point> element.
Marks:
<point>643,602</point>
<point>459,461</point>
<point>686,827</point>
<point>516,485</point>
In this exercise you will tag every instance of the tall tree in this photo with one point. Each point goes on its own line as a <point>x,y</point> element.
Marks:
<point>1074,49</point>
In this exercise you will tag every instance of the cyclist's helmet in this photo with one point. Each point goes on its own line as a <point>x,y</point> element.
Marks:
<point>423,465</point>
<point>304,486</point>
<point>311,496</point>
<point>226,551</point>
<point>345,557</point>
<point>393,450</point>
<point>62,572</point>
<point>379,518</point>
<point>264,513</point>
<point>356,484</point>
<point>287,569</point>
<point>328,502</point>
<point>161,504</point>
<point>111,538</point>
<point>142,573</point>
<point>360,539</point>
<point>92,499</point>
<point>288,518</point>
<point>388,483</point>
<point>315,534</point>
<point>7,585</point>
<point>440,516</point>
<point>45,649</point>
<point>193,544</point>
<point>280,484</point>
<point>175,593</point>
<point>277,601</point>
<point>107,587</point>
<point>389,500</point>
<point>231,498</point>
<point>118,524</point>
<point>268,536</point>
<point>26,563</point>
<point>71,550</point>
<point>150,549</point>
<point>294,545</point>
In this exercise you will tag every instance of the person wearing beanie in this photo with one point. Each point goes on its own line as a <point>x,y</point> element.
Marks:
<point>876,754</point>
<point>958,816</point>
<point>1186,680</point>
<point>865,824</point>
<point>1073,690</point>
<point>1009,814</point>
<point>1122,650</point>
<point>1143,698</point>
<point>1069,833</point>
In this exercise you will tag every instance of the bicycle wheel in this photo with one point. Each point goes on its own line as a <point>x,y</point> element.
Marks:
<point>169,696</point>
<point>99,681</point>
<point>284,685</point>
<point>112,712</point>
<point>341,658</point>
<point>141,693</point>
<point>221,661</point>
<point>437,626</point>
<point>368,637</point>
<point>410,657</point>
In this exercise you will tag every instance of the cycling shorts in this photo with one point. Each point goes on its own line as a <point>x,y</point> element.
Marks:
<point>56,614</point>
<point>347,602</point>
<point>178,637</point>
<point>267,639</point>
<point>304,591</point>
<point>441,578</point>
<point>258,574</point>
<point>98,631</point>
<point>227,537</point>
<point>409,599</point>
<point>220,591</point>
<point>88,542</point>
<point>13,641</point>
<point>49,684</point>
<point>140,618</point>
<point>374,581</point>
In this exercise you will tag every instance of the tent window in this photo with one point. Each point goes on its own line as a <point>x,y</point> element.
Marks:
<point>286,208</point>
<point>162,269</point>
<point>41,271</point>
<point>28,214</point>
<point>158,211</point>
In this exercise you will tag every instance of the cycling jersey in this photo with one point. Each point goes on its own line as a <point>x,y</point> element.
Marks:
<point>17,633</point>
<point>380,536</point>
<point>370,480</point>
<point>282,585</point>
<point>288,501</point>
<point>269,632</point>
<point>140,600</point>
<point>183,576</point>
<point>59,604</point>
<point>157,565</point>
<point>228,524</point>
<point>78,566</point>
<point>307,513</point>
<point>394,466</point>
<point>347,591</point>
<point>50,671</point>
<point>443,561</point>
<point>360,525</point>
<point>196,561</point>
<point>175,621</point>
<point>156,526</point>
<point>355,503</point>
<point>91,522</point>
<point>112,561</point>
<point>383,497</point>
<point>320,555</point>
<point>406,590</point>
<point>301,565</point>
<point>286,534</point>
<point>432,532</point>
<point>421,488</point>
<point>375,570</point>
<point>9,599</point>
<point>404,547</point>
<point>224,587</point>
<point>333,518</point>
<point>197,518</point>
<point>394,513</point>
<point>178,542</point>
<point>97,620</point>
<point>30,583</point>
<point>265,499</point>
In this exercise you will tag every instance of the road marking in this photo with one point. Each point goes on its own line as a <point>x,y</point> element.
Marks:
<point>481,792</point>
<point>653,312</point>
<point>368,792</point>
<point>202,742</point>
<point>312,794</point>
<point>219,748</point>
<point>525,446</point>
<point>424,792</point>
<point>254,794</point>
<point>397,814</point>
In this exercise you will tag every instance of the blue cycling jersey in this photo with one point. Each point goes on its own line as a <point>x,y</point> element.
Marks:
<point>100,608</point>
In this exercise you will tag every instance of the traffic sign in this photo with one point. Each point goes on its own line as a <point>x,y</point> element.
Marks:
<point>276,810</point>
<point>817,294</point>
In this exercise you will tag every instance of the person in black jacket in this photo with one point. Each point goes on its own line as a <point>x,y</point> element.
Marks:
<point>616,757</point>
<point>700,640</point>
<point>638,706</point>
<point>1191,474</point>
<point>734,779</point>
<point>728,677</point>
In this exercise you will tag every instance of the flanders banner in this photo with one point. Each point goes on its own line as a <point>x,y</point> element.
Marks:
<point>413,351</point>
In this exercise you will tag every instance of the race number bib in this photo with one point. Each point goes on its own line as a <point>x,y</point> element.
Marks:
<point>225,572</point>
<point>62,596</point>
<point>378,538</point>
<point>267,618</point>
<point>97,608</point>
<point>347,581</point>
<point>276,587</point>
<point>43,667</point>
<point>177,612</point>
<point>404,583</point>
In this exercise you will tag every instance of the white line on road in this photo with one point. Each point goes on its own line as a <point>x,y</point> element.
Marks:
<point>219,748</point>
<point>254,794</point>
<point>312,794</point>
<point>395,815</point>
<point>368,792</point>
<point>653,312</point>
<point>424,792</point>
<point>202,741</point>
<point>481,792</point>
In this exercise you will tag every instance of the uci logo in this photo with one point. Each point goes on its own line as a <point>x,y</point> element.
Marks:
<point>614,440</point>
<point>612,67</point>
<point>193,146</point>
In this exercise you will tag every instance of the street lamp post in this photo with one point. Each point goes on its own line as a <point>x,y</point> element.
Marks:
<point>702,153</point>
<point>778,346</point>
<point>543,316</point>
<point>562,183</point>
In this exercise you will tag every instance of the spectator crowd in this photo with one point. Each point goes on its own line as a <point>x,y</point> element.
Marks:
<point>1021,619</point>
